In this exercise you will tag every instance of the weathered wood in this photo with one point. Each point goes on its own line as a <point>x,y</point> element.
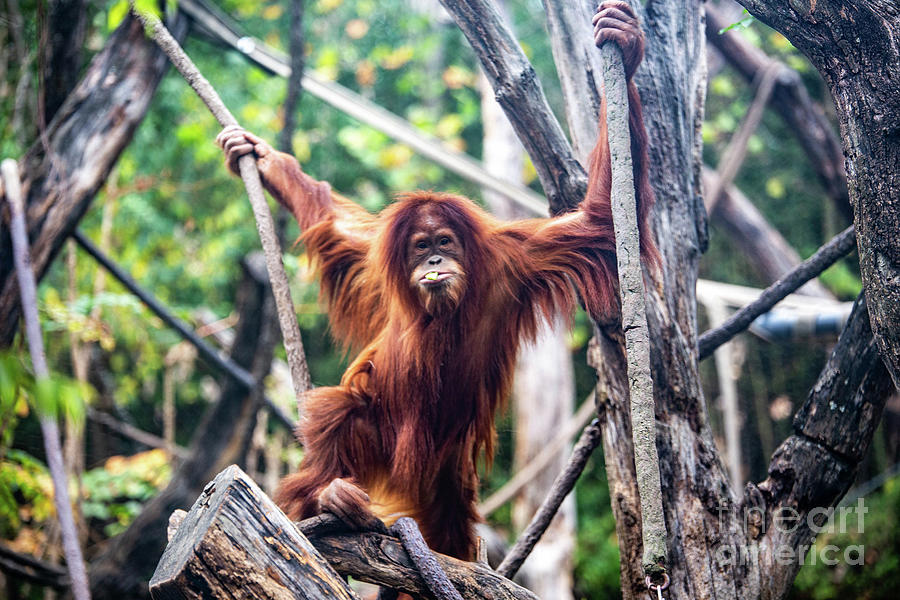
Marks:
<point>84,141</point>
<point>380,559</point>
<point>235,542</point>
<point>813,469</point>
<point>634,312</point>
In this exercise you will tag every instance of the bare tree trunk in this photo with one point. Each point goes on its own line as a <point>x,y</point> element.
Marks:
<point>65,31</point>
<point>60,185</point>
<point>543,388</point>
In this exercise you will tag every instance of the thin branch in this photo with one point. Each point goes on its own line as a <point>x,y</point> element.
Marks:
<point>28,568</point>
<point>588,441</point>
<point>736,151</point>
<point>223,364</point>
<point>132,432</point>
<point>805,118</point>
<point>824,257</point>
<point>295,79</point>
<point>49,427</point>
<point>290,329</point>
<point>425,560</point>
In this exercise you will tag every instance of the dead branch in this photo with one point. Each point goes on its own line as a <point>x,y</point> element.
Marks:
<point>824,257</point>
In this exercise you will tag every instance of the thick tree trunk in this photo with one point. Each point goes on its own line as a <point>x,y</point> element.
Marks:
<point>85,139</point>
<point>854,45</point>
<point>813,469</point>
<point>222,438</point>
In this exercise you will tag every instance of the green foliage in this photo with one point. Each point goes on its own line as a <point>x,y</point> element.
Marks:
<point>51,397</point>
<point>879,536</point>
<point>116,14</point>
<point>115,493</point>
<point>26,493</point>
<point>743,23</point>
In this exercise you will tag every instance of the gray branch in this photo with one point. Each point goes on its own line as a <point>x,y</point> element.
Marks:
<point>49,427</point>
<point>521,96</point>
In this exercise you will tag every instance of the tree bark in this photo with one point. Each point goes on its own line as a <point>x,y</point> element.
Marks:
<point>62,54</point>
<point>854,47</point>
<point>813,469</point>
<point>235,543</point>
<point>519,92</point>
<point>222,438</point>
<point>84,140</point>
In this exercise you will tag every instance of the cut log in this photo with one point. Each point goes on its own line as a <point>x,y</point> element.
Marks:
<point>235,542</point>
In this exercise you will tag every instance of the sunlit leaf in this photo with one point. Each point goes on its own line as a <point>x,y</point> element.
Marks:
<point>116,14</point>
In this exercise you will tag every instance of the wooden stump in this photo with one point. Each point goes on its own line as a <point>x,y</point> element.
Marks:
<point>235,542</point>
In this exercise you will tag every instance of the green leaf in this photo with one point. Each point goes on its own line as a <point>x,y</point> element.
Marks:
<point>116,14</point>
<point>44,398</point>
<point>744,23</point>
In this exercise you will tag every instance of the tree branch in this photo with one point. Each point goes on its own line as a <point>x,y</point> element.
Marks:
<point>210,355</point>
<point>769,253</point>
<point>297,50</point>
<point>634,312</point>
<point>132,432</point>
<point>804,117</point>
<point>519,93</point>
<point>824,257</point>
<point>62,176</point>
<point>815,467</point>
<point>562,485</point>
<point>46,416</point>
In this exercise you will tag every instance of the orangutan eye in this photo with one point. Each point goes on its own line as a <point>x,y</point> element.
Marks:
<point>421,245</point>
<point>445,241</point>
